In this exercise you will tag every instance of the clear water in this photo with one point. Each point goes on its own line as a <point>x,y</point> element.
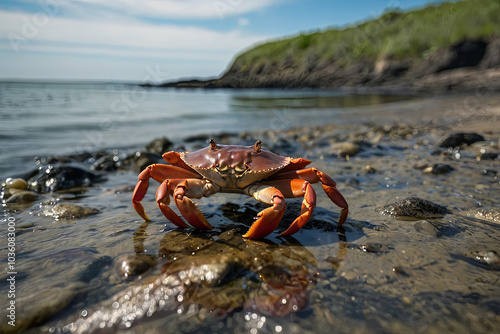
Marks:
<point>38,119</point>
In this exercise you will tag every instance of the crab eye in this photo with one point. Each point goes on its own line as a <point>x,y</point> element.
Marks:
<point>240,168</point>
<point>221,168</point>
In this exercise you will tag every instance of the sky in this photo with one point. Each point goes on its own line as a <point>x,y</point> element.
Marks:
<point>158,40</point>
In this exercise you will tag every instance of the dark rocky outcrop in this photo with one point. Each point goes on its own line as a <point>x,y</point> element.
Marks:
<point>462,66</point>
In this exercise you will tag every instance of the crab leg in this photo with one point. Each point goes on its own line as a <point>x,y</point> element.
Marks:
<point>268,218</point>
<point>163,200</point>
<point>297,188</point>
<point>160,173</point>
<point>314,175</point>
<point>193,188</point>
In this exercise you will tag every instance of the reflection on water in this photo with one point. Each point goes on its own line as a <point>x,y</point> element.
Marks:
<point>299,100</point>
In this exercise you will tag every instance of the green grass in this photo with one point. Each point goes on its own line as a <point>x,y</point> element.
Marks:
<point>399,35</point>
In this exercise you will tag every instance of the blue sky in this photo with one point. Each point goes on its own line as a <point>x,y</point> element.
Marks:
<point>157,40</point>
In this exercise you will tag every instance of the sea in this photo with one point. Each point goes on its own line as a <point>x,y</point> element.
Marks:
<point>39,120</point>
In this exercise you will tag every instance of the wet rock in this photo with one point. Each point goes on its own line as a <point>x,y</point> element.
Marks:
<point>345,149</point>
<point>55,178</point>
<point>460,138</point>
<point>491,214</point>
<point>414,208</point>
<point>130,266</point>
<point>374,247</point>
<point>159,146</point>
<point>486,258</point>
<point>487,156</point>
<point>12,183</point>
<point>109,163</point>
<point>426,227</point>
<point>438,169</point>
<point>22,196</point>
<point>140,160</point>
<point>370,169</point>
<point>489,172</point>
<point>69,211</point>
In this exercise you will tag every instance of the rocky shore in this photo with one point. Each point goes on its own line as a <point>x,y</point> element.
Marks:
<point>466,66</point>
<point>419,251</point>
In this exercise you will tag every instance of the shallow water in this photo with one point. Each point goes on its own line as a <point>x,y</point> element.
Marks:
<point>380,274</point>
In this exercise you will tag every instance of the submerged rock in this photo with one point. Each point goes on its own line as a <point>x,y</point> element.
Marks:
<point>414,208</point>
<point>130,266</point>
<point>51,280</point>
<point>210,273</point>
<point>426,227</point>
<point>488,259</point>
<point>69,211</point>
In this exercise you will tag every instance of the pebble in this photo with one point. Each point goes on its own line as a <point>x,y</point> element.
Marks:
<point>345,149</point>
<point>370,169</point>
<point>438,169</point>
<point>22,196</point>
<point>373,247</point>
<point>15,184</point>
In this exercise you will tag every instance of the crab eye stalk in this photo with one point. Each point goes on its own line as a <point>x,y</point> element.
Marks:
<point>213,145</point>
<point>257,146</point>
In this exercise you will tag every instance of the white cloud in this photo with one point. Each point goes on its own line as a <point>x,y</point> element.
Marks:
<point>100,35</point>
<point>167,9</point>
<point>111,41</point>
<point>242,22</point>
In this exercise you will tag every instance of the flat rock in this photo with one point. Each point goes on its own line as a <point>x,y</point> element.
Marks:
<point>414,208</point>
<point>69,211</point>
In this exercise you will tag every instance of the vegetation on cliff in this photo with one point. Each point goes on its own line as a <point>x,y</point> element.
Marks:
<point>397,35</point>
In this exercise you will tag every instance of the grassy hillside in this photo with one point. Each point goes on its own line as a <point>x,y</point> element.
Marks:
<point>396,35</point>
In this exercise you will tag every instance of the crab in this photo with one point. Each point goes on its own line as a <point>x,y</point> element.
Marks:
<point>250,170</point>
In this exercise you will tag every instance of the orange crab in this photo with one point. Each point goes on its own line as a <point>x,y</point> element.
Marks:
<point>266,176</point>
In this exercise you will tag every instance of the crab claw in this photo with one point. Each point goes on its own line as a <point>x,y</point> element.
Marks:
<point>268,218</point>
<point>188,209</point>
